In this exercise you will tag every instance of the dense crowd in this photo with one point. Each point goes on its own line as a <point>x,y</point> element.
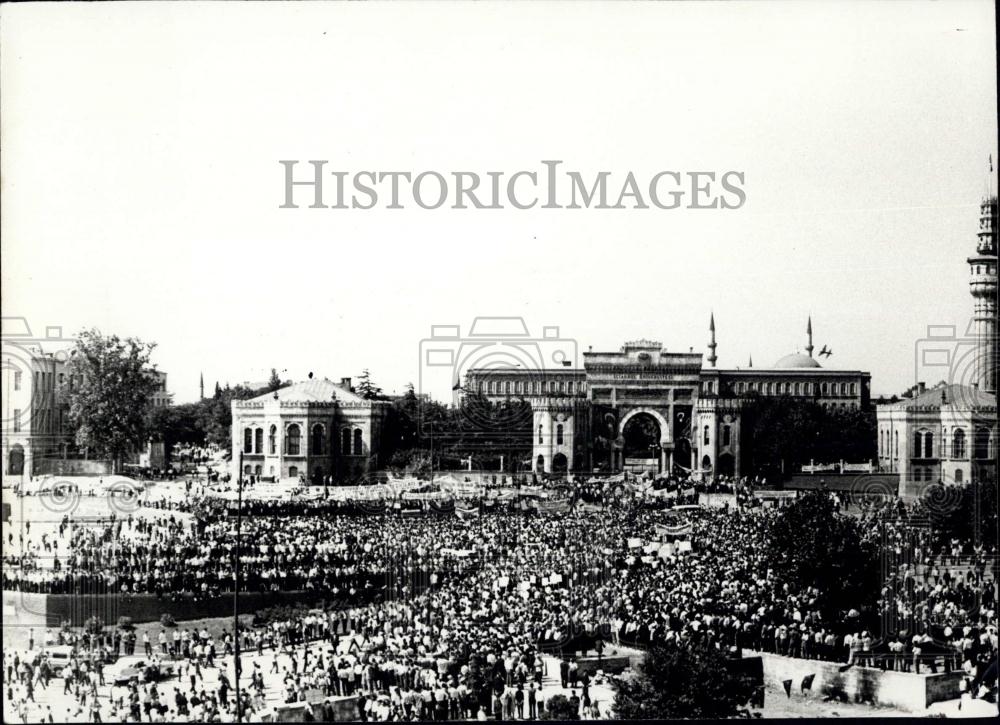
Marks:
<point>504,587</point>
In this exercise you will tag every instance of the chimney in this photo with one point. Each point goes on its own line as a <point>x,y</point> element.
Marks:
<point>346,383</point>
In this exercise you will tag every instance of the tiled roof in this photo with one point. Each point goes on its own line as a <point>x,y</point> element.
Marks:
<point>308,391</point>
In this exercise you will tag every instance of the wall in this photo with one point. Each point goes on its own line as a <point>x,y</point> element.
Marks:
<point>904,690</point>
<point>71,467</point>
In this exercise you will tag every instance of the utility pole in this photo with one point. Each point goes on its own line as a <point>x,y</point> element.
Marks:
<point>237,665</point>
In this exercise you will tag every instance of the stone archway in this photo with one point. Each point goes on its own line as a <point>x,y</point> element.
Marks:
<point>646,436</point>
<point>560,464</point>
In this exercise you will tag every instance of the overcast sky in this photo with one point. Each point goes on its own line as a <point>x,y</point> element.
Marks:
<point>141,183</point>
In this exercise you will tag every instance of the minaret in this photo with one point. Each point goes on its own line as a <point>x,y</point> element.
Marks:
<point>201,386</point>
<point>809,334</point>
<point>711,344</point>
<point>983,287</point>
<point>750,363</point>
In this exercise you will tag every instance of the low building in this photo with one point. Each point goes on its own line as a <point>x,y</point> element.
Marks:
<point>314,431</point>
<point>947,434</point>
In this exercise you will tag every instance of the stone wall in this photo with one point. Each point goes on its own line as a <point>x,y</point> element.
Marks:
<point>904,690</point>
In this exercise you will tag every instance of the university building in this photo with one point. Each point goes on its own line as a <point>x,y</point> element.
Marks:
<point>314,431</point>
<point>643,408</point>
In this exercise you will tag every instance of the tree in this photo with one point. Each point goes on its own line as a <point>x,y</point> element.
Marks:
<point>273,382</point>
<point>366,388</point>
<point>693,680</point>
<point>559,707</point>
<point>109,387</point>
<point>812,546</point>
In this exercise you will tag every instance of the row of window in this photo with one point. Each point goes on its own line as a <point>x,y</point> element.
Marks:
<point>727,435</point>
<point>988,268</point>
<point>559,435</point>
<point>351,441</point>
<point>788,388</point>
<point>529,387</point>
<point>923,444</point>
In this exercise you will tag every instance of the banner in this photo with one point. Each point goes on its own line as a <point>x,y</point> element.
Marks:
<point>680,530</point>
<point>634,543</point>
<point>555,506</point>
<point>467,513</point>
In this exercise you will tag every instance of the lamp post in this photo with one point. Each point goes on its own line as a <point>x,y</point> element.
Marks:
<point>237,665</point>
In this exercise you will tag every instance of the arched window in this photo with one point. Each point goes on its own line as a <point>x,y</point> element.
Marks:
<point>825,389</point>
<point>293,471</point>
<point>958,444</point>
<point>569,387</point>
<point>928,445</point>
<point>359,445</point>
<point>247,470</point>
<point>272,440</point>
<point>958,475</point>
<point>895,445</point>
<point>489,388</point>
<point>559,435</point>
<point>918,444</point>
<point>257,470</point>
<point>552,386</point>
<point>294,438</point>
<point>705,435</point>
<point>316,442</point>
<point>345,441</point>
<point>506,388</point>
<point>258,441</point>
<point>982,443</point>
<point>726,435</point>
<point>248,440</point>
<point>540,438</point>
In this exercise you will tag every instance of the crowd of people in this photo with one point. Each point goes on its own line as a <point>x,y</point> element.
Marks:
<point>468,608</point>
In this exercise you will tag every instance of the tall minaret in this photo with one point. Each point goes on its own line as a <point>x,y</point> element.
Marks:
<point>809,334</point>
<point>711,345</point>
<point>983,286</point>
<point>201,385</point>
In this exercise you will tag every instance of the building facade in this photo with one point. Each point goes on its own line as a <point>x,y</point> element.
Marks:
<point>646,409</point>
<point>315,431</point>
<point>948,433</point>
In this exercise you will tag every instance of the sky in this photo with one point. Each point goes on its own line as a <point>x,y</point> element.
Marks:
<point>141,184</point>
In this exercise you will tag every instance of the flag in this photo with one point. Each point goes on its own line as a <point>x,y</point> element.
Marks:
<point>457,385</point>
<point>788,687</point>
<point>807,682</point>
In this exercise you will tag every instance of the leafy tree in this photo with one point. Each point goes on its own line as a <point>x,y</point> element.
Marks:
<point>366,388</point>
<point>559,707</point>
<point>781,433</point>
<point>812,546</point>
<point>274,382</point>
<point>688,681</point>
<point>108,409</point>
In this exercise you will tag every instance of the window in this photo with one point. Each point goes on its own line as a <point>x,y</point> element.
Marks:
<point>294,437</point>
<point>895,446</point>
<point>489,388</point>
<point>345,441</point>
<point>359,447</point>
<point>825,389</point>
<point>705,435</point>
<point>569,387</point>
<point>561,388</point>
<point>726,435</point>
<point>552,386</point>
<point>316,442</point>
<point>958,475</point>
<point>293,471</point>
<point>258,441</point>
<point>854,388</point>
<point>982,443</point>
<point>958,444</point>
<point>272,443</point>
<point>17,380</point>
<point>507,388</point>
<point>559,435</point>
<point>248,440</point>
<point>247,470</point>
<point>17,420</point>
<point>540,439</point>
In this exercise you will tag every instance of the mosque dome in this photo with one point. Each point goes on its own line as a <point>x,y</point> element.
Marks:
<point>797,360</point>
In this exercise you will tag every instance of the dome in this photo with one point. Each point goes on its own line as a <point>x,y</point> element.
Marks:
<point>797,360</point>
